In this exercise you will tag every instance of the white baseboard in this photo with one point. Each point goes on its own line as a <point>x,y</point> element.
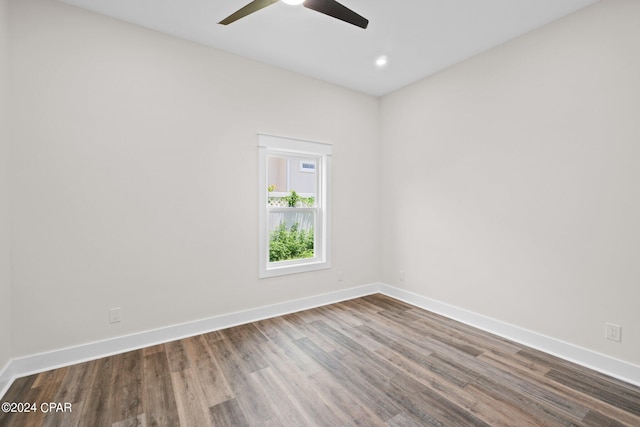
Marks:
<point>6,378</point>
<point>619,369</point>
<point>36,363</point>
<point>27,365</point>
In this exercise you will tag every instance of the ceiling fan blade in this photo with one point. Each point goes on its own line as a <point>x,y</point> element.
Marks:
<point>338,11</point>
<point>254,6</point>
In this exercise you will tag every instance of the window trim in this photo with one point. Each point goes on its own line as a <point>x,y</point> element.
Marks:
<point>269,144</point>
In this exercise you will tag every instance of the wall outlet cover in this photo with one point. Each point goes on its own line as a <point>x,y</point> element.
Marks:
<point>613,332</point>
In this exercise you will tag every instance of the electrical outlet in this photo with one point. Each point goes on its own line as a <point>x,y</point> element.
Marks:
<point>403,276</point>
<point>115,315</point>
<point>340,276</point>
<point>613,332</point>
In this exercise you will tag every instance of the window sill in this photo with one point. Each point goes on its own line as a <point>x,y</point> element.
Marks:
<point>284,270</point>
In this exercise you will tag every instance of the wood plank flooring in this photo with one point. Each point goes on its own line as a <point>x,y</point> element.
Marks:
<point>371,361</point>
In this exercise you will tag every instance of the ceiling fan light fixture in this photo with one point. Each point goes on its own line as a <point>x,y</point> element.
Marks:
<point>330,8</point>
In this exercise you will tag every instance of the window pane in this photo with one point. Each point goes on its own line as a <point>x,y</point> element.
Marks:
<point>278,173</point>
<point>291,235</point>
<point>302,178</point>
<point>287,174</point>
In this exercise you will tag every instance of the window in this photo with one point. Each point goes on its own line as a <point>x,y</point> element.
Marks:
<point>308,166</point>
<point>294,205</point>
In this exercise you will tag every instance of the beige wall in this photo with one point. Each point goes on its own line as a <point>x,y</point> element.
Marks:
<point>135,180</point>
<point>508,183</point>
<point>511,186</point>
<point>5,290</point>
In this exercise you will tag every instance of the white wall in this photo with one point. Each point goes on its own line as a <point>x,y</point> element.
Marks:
<point>125,143</point>
<point>509,182</point>
<point>511,186</point>
<point>5,290</point>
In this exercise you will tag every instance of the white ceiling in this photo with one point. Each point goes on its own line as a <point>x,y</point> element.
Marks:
<point>420,37</point>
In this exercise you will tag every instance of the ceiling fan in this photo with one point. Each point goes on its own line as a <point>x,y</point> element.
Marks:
<point>328,7</point>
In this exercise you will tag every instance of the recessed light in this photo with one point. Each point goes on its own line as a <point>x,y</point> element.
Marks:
<point>381,61</point>
<point>293,2</point>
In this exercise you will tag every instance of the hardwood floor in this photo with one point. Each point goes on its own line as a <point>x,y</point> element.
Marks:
<point>369,361</point>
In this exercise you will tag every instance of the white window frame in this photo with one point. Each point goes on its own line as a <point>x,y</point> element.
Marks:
<point>276,145</point>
